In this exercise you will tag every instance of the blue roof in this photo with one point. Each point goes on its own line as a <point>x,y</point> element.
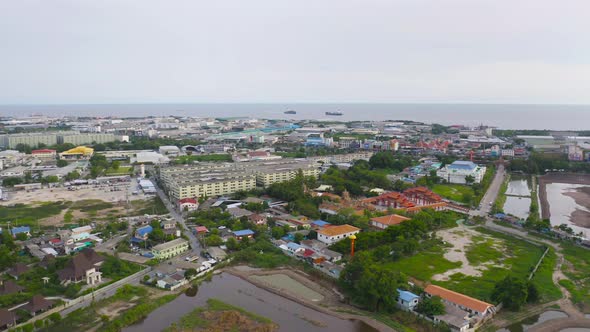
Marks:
<point>320,223</point>
<point>407,296</point>
<point>293,246</point>
<point>142,231</point>
<point>20,229</point>
<point>462,164</point>
<point>244,232</point>
<point>500,215</point>
<point>136,240</point>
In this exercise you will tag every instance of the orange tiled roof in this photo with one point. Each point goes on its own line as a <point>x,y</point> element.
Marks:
<point>338,230</point>
<point>458,298</point>
<point>428,206</point>
<point>392,219</point>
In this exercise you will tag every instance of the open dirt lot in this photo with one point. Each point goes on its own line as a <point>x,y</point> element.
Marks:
<point>462,238</point>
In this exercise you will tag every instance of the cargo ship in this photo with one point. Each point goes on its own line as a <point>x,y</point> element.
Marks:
<point>290,112</point>
<point>334,113</point>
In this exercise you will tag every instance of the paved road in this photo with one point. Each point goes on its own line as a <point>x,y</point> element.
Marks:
<point>196,247</point>
<point>489,198</point>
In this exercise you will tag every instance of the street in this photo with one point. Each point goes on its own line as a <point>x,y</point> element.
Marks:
<point>489,197</point>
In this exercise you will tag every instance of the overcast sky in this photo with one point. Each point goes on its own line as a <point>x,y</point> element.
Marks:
<point>120,51</point>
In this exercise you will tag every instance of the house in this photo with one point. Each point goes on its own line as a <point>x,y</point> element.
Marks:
<point>237,212</point>
<point>319,224</point>
<point>188,204</point>
<point>44,154</point>
<point>294,248</point>
<point>7,319</point>
<point>386,221</point>
<point>17,270</point>
<point>458,320</point>
<point>47,261</point>
<point>170,248</point>
<point>21,230</point>
<point>335,234</point>
<point>464,302</point>
<point>9,287</point>
<point>201,230</point>
<point>244,233</point>
<point>407,300</point>
<point>169,226</point>
<point>258,219</point>
<point>173,281</point>
<point>142,233</point>
<point>330,255</point>
<point>80,233</point>
<point>37,305</point>
<point>84,266</point>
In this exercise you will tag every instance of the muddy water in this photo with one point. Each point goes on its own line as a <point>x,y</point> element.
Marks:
<point>526,324</point>
<point>289,315</point>
<point>518,186</point>
<point>518,206</point>
<point>562,206</point>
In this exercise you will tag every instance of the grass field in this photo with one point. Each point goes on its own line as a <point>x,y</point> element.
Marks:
<point>426,264</point>
<point>543,278</point>
<point>517,259</point>
<point>483,250</point>
<point>150,206</point>
<point>120,170</point>
<point>30,215</point>
<point>455,192</point>
<point>577,269</point>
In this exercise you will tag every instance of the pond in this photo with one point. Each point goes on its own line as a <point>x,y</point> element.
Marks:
<point>518,186</point>
<point>517,206</point>
<point>569,204</point>
<point>289,315</point>
<point>527,323</point>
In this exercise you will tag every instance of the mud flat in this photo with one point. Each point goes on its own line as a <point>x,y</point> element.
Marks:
<point>565,199</point>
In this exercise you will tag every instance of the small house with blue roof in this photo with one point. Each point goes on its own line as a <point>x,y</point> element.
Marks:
<point>142,233</point>
<point>319,224</point>
<point>20,230</point>
<point>407,300</point>
<point>244,233</point>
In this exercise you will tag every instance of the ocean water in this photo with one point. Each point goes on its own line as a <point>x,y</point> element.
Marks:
<point>505,116</point>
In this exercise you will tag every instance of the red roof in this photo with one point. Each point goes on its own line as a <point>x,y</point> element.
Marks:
<point>43,151</point>
<point>308,252</point>
<point>258,154</point>
<point>55,240</point>
<point>188,200</point>
<point>201,229</point>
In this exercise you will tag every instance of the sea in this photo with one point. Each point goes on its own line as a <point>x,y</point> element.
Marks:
<point>504,116</point>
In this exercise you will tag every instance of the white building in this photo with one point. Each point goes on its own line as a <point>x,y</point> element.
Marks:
<point>458,170</point>
<point>169,150</point>
<point>333,234</point>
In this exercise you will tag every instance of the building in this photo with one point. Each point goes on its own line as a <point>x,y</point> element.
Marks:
<point>142,233</point>
<point>86,138</point>
<point>386,221</point>
<point>333,234</point>
<point>45,154</point>
<point>21,230</point>
<point>216,179</point>
<point>149,157</point>
<point>37,305</point>
<point>31,139</point>
<point>464,302</point>
<point>9,287</point>
<point>257,219</point>
<point>169,150</point>
<point>80,233</point>
<point>407,300</point>
<point>170,249</point>
<point>17,270</point>
<point>84,266</point>
<point>188,204</point>
<point>7,319</point>
<point>80,152</point>
<point>459,170</point>
<point>244,233</point>
<point>147,186</point>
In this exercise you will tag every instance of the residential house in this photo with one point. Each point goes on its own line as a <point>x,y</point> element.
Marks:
<point>9,287</point>
<point>7,319</point>
<point>170,248</point>
<point>80,233</point>
<point>169,226</point>
<point>319,224</point>
<point>386,221</point>
<point>464,302</point>
<point>257,219</point>
<point>407,300</point>
<point>188,204</point>
<point>333,234</point>
<point>37,305</point>
<point>21,230</point>
<point>237,212</point>
<point>294,248</point>
<point>457,319</point>
<point>142,234</point>
<point>17,270</point>
<point>201,230</point>
<point>330,255</point>
<point>244,233</point>
<point>83,266</point>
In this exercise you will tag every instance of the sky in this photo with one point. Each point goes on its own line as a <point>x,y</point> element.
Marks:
<point>226,51</point>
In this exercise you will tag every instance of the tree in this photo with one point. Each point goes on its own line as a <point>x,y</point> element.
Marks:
<point>278,232</point>
<point>62,163</point>
<point>431,306</point>
<point>11,182</point>
<point>232,244</point>
<point>51,179</point>
<point>189,273</point>
<point>469,179</point>
<point>299,237</point>
<point>511,292</point>
<point>21,236</point>
<point>533,293</point>
<point>116,164</point>
<point>213,240</point>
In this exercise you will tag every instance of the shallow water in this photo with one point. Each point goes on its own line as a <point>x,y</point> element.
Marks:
<point>562,206</point>
<point>527,323</point>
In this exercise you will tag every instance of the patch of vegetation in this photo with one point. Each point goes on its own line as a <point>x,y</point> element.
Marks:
<point>30,214</point>
<point>455,192</point>
<point>577,269</point>
<point>89,205</point>
<point>119,170</point>
<point>150,206</point>
<point>425,264</point>
<point>498,206</point>
<point>203,157</point>
<point>543,278</point>
<point>483,250</point>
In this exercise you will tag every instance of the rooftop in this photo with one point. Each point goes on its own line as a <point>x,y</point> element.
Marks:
<point>170,244</point>
<point>390,220</point>
<point>458,298</point>
<point>338,230</point>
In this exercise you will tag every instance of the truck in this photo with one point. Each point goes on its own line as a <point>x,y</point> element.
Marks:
<point>191,258</point>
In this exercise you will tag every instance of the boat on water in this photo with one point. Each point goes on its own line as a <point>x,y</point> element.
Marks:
<point>290,112</point>
<point>334,113</point>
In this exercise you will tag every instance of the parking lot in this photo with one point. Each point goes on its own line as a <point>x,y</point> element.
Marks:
<point>113,192</point>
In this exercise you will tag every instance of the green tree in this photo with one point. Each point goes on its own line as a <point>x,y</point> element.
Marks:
<point>299,237</point>
<point>278,232</point>
<point>532,293</point>
<point>511,292</point>
<point>431,306</point>
<point>11,182</point>
<point>213,240</point>
<point>189,273</point>
<point>469,179</point>
<point>62,163</point>
<point>116,164</point>
<point>232,244</point>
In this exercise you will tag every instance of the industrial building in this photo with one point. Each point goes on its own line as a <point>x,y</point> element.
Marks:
<point>215,179</point>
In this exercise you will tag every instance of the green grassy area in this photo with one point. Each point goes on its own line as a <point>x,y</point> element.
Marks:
<point>519,258</point>
<point>577,269</point>
<point>543,278</point>
<point>88,205</point>
<point>120,170</point>
<point>455,192</point>
<point>425,264</point>
<point>30,214</point>
<point>483,250</point>
<point>498,206</point>
<point>194,319</point>
<point>149,206</point>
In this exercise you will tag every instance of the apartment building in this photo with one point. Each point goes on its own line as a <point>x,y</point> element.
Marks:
<point>170,249</point>
<point>10,141</point>
<point>87,138</point>
<point>215,179</point>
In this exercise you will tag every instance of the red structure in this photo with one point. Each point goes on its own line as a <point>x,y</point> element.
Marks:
<point>422,196</point>
<point>352,238</point>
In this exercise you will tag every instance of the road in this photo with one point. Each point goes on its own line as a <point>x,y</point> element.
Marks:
<point>489,198</point>
<point>194,242</point>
